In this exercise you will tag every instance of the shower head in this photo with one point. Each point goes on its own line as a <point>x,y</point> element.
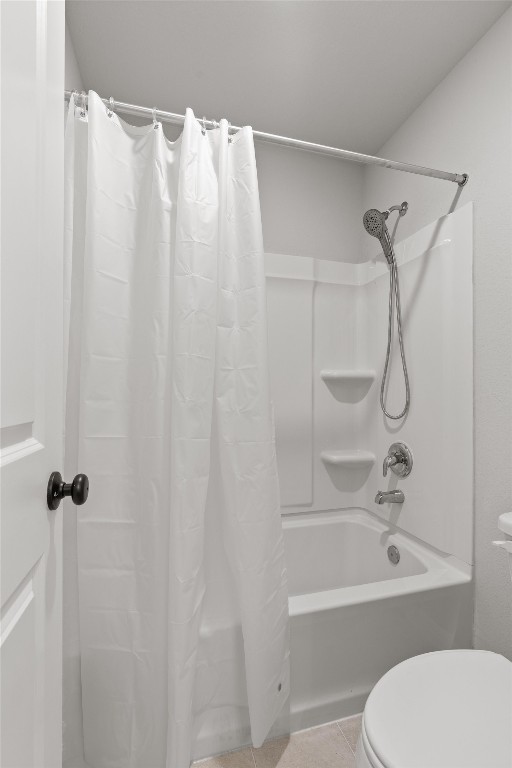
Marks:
<point>374,222</point>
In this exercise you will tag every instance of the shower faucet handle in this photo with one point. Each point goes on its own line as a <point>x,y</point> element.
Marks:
<point>399,460</point>
<point>389,461</point>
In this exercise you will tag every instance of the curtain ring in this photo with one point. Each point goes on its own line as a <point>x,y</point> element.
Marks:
<point>83,111</point>
<point>155,122</point>
<point>203,130</point>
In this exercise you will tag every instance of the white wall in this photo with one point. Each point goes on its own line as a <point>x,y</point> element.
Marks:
<point>310,204</point>
<point>72,77</point>
<point>465,125</point>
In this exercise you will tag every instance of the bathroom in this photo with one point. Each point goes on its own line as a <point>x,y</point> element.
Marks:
<point>277,362</point>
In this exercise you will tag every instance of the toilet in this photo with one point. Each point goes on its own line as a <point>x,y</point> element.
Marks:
<point>448,709</point>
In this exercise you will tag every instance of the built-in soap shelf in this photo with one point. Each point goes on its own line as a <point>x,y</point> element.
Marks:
<point>353,376</point>
<point>348,458</point>
<point>348,385</point>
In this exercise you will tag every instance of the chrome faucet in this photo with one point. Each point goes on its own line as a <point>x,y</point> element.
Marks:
<point>399,460</point>
<point>391,497</point>
<point>389,461</point>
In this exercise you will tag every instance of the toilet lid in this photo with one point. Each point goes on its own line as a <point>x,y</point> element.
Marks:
<point>451,709</point>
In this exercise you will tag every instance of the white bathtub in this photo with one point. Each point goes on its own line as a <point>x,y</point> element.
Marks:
<point>354,614</point>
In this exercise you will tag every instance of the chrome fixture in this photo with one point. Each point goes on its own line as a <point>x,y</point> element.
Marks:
<point>389,497</point>
<point>374,222</point>
<point>393,554</point>
<point>399,460</point>
<point>343,154</point>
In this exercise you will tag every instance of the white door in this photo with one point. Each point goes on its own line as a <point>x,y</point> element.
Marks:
<point>32,82</point>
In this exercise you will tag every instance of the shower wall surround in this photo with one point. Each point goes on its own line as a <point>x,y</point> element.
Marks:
<point>313,308</point>
<point>436,267</point>
<point>327,335</point>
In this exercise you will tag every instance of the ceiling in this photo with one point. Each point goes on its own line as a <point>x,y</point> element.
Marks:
<point>345,73</point>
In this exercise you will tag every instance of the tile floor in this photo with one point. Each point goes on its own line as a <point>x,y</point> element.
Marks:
<point>327,746</point>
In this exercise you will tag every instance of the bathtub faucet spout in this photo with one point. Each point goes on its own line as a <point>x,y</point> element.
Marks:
<point>392,497</point>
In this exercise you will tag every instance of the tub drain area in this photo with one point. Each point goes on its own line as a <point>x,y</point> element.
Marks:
<point>394,554</point>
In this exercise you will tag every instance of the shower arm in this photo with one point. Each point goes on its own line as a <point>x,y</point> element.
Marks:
<point>342,154</point>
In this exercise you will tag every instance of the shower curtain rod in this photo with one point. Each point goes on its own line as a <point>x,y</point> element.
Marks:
<point>343,154</point>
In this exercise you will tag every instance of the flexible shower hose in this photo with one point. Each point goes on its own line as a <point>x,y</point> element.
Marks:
<point>394,292</point>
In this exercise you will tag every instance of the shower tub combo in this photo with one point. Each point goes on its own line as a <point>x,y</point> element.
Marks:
<point>355,613</point>
<point>356,610</point>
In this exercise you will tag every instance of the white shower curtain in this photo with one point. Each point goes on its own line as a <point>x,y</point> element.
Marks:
<point>169,413</point>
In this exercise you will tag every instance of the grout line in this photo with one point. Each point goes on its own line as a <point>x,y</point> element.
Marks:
<point>348,742</point>
<point>253,758</point>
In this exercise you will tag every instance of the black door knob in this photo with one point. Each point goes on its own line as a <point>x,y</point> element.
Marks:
<point>58,489</point>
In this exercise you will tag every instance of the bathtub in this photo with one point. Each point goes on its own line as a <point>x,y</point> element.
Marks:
<point>354,614</point>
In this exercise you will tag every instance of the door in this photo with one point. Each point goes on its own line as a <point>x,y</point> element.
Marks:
<point>32,121</point>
